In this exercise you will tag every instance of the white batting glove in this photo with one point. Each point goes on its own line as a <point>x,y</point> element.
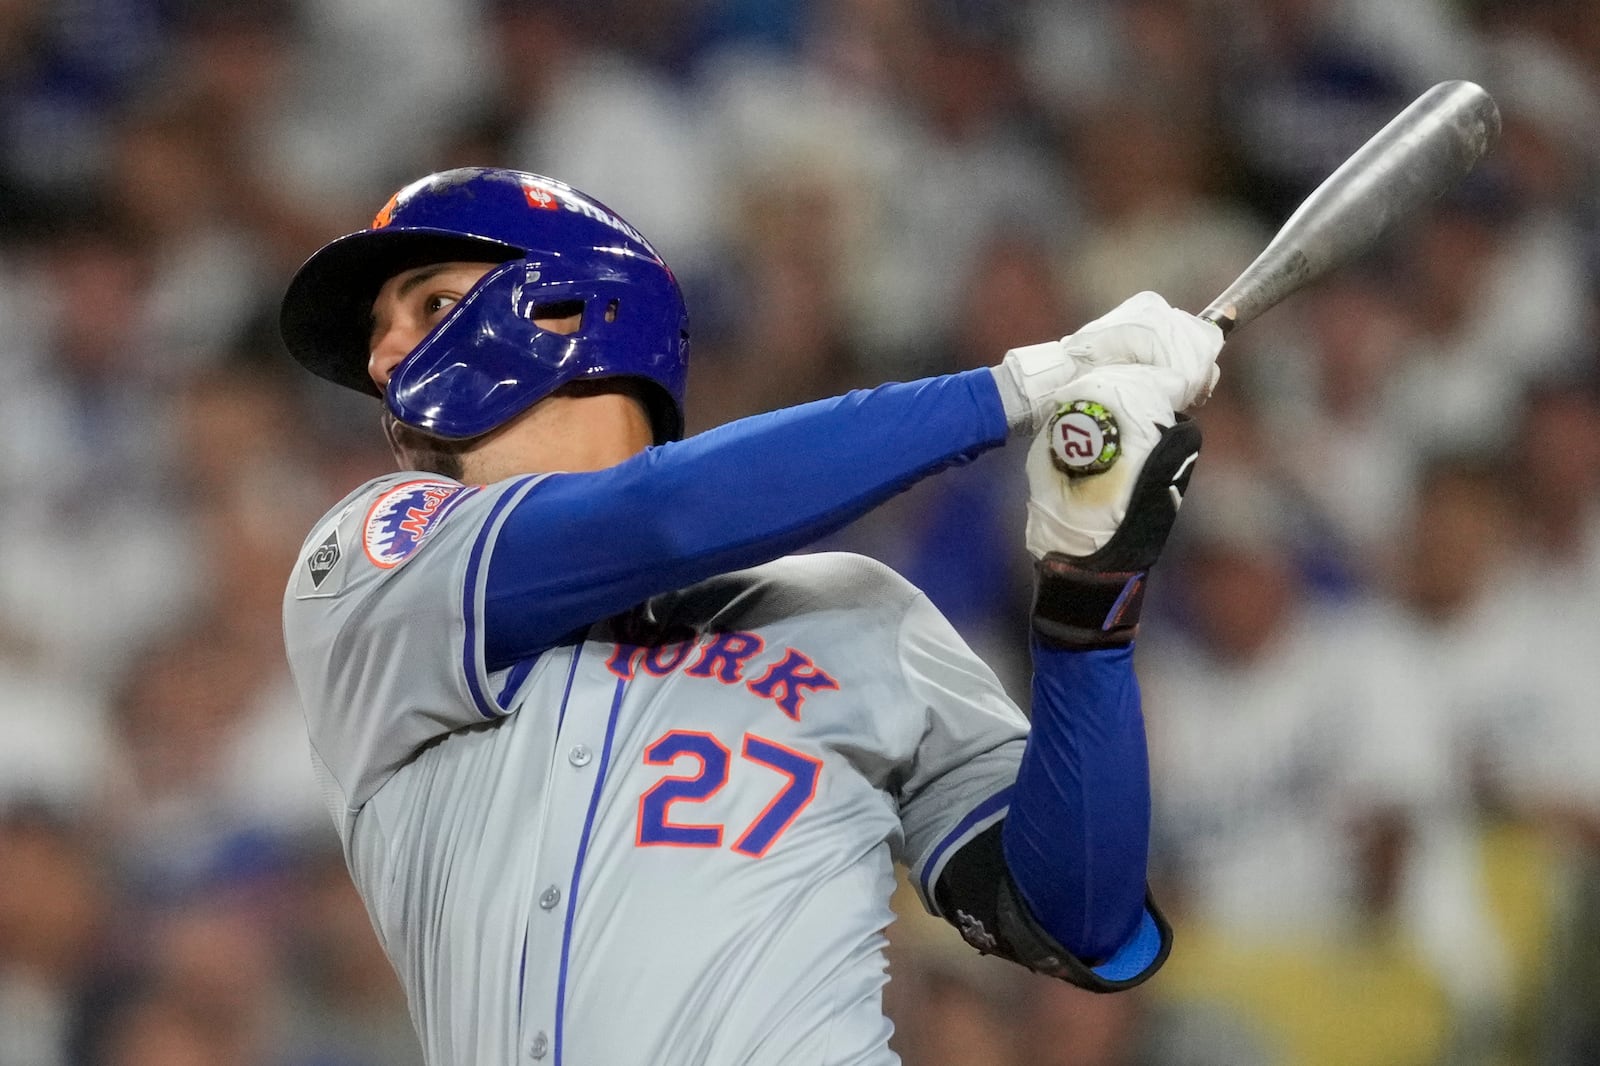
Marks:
<point>1077,515</point>
<point>1143,330</point>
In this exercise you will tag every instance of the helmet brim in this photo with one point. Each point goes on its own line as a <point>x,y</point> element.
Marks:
<point>326,315</point>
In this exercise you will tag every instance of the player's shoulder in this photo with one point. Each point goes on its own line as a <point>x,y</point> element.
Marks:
<point>841,565</point>
<point>843,580</point>
<point>383,521</point>
<point>376,486</point>
<point>806,589</point>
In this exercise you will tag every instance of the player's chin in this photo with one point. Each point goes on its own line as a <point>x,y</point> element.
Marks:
<point>416,450</point>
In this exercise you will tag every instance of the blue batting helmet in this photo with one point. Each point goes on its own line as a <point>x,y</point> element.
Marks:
<point>486,361</point>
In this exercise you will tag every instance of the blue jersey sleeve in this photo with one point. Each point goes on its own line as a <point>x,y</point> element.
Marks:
<point>1077,836</point>
<point>582,547</point>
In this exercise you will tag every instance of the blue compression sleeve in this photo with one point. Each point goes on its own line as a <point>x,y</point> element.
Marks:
<point>582,547</point>
<point>1077,836</point>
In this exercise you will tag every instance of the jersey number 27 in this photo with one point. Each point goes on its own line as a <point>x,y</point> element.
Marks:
<point>656,827</point>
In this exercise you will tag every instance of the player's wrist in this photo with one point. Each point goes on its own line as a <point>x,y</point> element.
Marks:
<point>1080,609</point>
<point>1143,330</point>
<point>1029,379</point>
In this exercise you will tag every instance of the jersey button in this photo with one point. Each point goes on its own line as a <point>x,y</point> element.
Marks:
<point>550,897</point>
<point>580,755</point>
<point>540,1045</point>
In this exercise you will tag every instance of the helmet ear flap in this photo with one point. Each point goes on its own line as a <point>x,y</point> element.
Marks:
<point>560,310</point>
<point>490,358</point>
<point>479,367</point>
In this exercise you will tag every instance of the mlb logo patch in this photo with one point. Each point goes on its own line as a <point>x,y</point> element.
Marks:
<point>402,517</point>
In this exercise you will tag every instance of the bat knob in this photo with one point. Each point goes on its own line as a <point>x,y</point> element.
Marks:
<point>1084,438</point>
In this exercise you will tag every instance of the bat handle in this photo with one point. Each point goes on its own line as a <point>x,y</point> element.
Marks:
<point>1220,316</point>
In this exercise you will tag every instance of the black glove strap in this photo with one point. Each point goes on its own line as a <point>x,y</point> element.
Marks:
<point>1093,601</point>
<point>1078,608</point>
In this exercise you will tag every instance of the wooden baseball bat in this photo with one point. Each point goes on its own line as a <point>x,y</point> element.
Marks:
<point>1422,152</point>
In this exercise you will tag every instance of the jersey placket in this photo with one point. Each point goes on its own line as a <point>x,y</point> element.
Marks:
<point>579,766</point>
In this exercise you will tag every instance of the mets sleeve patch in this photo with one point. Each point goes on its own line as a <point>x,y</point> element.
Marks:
<point>400,520</point>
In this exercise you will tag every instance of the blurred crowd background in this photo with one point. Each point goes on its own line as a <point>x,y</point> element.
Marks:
<point>1372,663</point>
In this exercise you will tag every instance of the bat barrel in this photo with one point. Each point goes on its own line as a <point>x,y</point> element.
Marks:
<point>1423,151</point>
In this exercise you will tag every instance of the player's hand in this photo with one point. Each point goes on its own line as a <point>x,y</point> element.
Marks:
<point>1095,536</point>
<point>1077,515</point>
<point>1143,330</point>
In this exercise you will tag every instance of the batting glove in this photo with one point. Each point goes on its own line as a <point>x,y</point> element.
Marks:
<point>1095,536</point>
<point>1143,330</point>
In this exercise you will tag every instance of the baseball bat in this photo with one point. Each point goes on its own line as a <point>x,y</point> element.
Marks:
<point>1423,151</point>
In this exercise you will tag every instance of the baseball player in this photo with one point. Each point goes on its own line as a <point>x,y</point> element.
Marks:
<point>619,778</point>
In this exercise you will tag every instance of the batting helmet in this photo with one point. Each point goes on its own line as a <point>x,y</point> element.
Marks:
<point>486,361</point>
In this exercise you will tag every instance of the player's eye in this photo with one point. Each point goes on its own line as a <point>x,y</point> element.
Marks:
<point>436,303</point>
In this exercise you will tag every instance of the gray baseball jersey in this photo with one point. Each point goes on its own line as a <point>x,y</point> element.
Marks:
<point>668,839</point>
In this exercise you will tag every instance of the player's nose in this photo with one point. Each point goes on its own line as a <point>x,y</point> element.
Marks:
<point>386,354</point>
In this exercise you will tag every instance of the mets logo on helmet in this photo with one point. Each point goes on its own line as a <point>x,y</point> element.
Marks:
<point>385,213</point>
<point>402,517</point>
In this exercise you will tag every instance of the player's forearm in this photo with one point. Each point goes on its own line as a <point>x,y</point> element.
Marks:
<point>581,547</point>
<point>1077,836</point>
